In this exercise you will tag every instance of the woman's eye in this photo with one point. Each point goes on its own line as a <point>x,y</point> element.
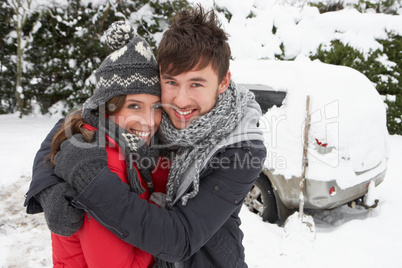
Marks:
<point>157,106</point>
<point>133,106</point>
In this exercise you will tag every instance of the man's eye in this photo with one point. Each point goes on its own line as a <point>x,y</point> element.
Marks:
<point>172,83</point>
<point>197,85</point>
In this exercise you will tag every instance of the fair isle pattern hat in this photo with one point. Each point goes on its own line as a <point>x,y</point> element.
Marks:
<point>130,69</point>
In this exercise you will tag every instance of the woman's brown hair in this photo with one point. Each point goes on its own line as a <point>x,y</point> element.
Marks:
<point>74,125</point>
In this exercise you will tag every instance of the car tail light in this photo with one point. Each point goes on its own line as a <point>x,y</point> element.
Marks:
<point>332,191</point>
<point>321,143</point>
<point>322,147</point>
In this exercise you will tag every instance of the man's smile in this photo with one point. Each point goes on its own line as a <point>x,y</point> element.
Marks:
<point>184,115</point>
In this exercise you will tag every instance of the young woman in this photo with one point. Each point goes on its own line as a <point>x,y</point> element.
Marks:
<point>123,115</point>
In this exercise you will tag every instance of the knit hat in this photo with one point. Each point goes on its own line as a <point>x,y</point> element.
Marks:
<point>130,69</point>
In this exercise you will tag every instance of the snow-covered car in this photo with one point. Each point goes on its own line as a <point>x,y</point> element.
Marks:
<point>347,136</point>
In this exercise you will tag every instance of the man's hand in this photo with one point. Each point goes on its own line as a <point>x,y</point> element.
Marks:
<point>61,217</point>
<point>78,162</point>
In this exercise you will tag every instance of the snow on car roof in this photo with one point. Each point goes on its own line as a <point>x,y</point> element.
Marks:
<point>348,118</point>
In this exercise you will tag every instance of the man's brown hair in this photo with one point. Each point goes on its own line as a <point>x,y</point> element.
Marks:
<point>194,39</point>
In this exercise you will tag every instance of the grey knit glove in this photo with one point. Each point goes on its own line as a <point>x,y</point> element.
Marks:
<point>61,217</point>
<point>78,162</point>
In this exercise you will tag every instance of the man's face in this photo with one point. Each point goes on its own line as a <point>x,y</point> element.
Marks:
<point>189,95</point>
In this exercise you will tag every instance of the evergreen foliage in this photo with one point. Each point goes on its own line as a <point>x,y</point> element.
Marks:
<point>383,6</point>
<point>155,22</point>
<point>7,65</point>
<point>66,48</point>
<point>393,83</point>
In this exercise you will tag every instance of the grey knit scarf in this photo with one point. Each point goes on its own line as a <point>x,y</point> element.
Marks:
<point>193,143</point>
<point>135,150</point>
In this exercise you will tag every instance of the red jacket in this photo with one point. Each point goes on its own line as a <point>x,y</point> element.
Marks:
<point>95,246</point>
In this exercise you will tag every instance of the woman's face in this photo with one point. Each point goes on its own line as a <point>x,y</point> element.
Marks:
<point>141,115</point>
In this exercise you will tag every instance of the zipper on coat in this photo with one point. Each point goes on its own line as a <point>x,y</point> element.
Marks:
<point>79,205</point>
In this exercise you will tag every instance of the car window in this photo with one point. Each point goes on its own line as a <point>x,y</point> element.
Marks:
<point>266,96</point>
<point>267,99</point>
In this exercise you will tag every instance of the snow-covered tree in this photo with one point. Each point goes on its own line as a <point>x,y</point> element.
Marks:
<point>7,51</point>
<point>59,46</point>
<point>22,11</point>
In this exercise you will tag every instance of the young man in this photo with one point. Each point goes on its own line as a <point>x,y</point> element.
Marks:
<point>211,126</point>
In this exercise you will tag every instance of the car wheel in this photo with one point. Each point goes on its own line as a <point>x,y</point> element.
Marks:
<point>261,200</point>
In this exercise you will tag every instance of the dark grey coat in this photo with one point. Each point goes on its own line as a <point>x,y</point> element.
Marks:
<point>204,233</point>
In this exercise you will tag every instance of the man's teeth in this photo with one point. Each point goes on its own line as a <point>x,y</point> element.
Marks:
<point>184,113</point>
<point>141,134</point>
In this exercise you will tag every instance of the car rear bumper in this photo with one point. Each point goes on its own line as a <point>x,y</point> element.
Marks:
<point>317,193</point>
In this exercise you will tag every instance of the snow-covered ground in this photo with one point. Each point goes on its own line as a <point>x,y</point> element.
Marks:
<point>345,237</point>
